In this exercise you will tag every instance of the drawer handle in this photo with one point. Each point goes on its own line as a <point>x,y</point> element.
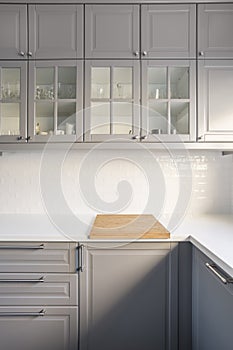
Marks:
<point>81,258</point>
<point>41,246</point>
<point>223,279</point>
<point>17,280</point>
<point>13,314</point>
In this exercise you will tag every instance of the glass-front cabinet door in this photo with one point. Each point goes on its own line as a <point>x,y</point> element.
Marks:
<point>55,101</point>
<point>168,101</point>
<point>13,101</point>
<point>112,108</point>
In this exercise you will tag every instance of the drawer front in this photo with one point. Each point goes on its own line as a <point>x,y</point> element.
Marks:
<point>37,257</point>
<point>38,289</point>
<point>39,328</point>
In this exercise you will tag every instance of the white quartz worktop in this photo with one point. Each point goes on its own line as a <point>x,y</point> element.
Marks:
<point>213,234</point>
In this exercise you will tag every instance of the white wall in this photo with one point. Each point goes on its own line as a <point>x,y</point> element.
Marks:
<point>89,182</point>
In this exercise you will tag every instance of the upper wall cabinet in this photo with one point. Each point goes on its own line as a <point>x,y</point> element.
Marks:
<point>215,107</point>
<point>215,31</point>
<point>112,31</point>
<point>13,31</point>
<point>168,31</point>
<point>55,31</point>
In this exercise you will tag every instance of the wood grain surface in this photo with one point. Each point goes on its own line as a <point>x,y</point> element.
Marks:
<point>127,226</point>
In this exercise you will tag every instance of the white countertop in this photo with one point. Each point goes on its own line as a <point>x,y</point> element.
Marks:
<point>213,234</point>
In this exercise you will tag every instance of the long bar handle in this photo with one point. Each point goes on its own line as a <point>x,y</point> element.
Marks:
<point>223,279</point>
<point>18,280</point>
<point>40,313</point>
<point>41,246</point>
<point>81,258</point>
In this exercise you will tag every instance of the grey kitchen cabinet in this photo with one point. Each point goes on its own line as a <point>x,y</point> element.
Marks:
<point>56,31</point>
<point>168,31</point>
<point>112,93</point>
<point>38,296</point>
<point>55,101</point>
<point>215,104</point>
<point>13,106</point>
<point>38,33</point>
<point>215,31</point>
<point>13,31</point>
<point>212,305</point>
<point>37,328</point>
<point>112,31</point>
<point>128,296</point>
<point>168,100</point>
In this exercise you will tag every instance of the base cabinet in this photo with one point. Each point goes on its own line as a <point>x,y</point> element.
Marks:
<point>125,297</point>
<point>212,306</point>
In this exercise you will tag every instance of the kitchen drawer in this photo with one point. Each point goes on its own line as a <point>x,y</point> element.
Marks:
<point>38,289</point>
<point>37,257</point>
<point>39,328</point>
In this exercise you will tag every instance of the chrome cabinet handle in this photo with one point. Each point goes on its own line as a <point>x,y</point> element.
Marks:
<point>223,279</point>
<point>135,137</point>
<point>13,314</point>
<point>144,53</point>
<point>41,246</point>
<point>29,53</point>
<point>17,280</point>
<point>201,53</point>
<point>21,53</point>
<point>144,137</point>
<point>136,53</point>
<point>81,258</point>
<point>20,138</point>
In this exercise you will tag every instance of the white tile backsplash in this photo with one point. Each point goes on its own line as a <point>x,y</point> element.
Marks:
<point>89,182</point>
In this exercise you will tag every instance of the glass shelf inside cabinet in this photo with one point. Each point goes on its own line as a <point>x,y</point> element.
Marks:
<point>157,88</point>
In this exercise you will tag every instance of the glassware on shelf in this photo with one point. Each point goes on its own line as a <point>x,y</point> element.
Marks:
<point>45,92</point>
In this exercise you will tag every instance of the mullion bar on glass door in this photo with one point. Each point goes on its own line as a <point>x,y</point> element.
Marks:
<point>55,111</point>
<point>169,100</point>
<point>111,100</point>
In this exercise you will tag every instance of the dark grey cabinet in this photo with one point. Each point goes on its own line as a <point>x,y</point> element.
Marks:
<point>215,104</point>
<point>212,305</point>
<point>168,31</point>
<point>128,296</point>
<point>112,31</point>
<point>215,31</point>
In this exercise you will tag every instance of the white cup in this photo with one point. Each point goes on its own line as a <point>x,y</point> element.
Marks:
<point>69,129</point>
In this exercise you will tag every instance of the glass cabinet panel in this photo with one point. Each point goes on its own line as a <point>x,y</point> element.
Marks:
<point>12,101</point>
<point>57,100</point>
<point>168,98</point>
<point>111,98</point>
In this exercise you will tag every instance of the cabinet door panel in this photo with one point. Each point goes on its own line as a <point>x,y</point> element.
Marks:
<point>13,110</point>
<point>212,308</point>
<point>168,31</point>
<point>56,31</point>
<point>215,100</point>
<point>13,31</point>
<point>215,30</point>
<point>112,31</point>
<point>125,304</point>
<point>38,328</point>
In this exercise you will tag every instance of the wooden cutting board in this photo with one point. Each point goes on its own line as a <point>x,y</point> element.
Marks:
<point>127,227</point>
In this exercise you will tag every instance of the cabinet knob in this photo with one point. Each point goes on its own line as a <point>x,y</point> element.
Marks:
<point>144,53</point>
<point>136,53</point>
<point>29,53</point>
<point>144,137</point>
<point>20,138</point>
<point>135,137</point>
<point>28,138</point>
<point>201,53</point>
<point>21,53</point>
